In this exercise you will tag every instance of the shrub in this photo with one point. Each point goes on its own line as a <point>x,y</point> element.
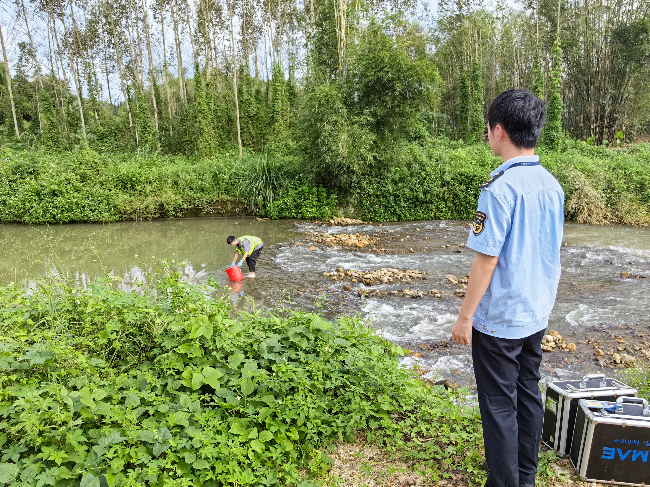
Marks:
<point>305,202</point>
<point>166,386</point>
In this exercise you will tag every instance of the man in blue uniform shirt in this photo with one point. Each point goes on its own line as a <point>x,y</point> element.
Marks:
<point>517,234</point>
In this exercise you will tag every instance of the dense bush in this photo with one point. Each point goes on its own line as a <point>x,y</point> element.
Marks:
<point>439,181</point>
<point>164,386</point>
<point>435,178</point>
<point>84,186</point>
<point>302,202</point>
<point>603,185</point>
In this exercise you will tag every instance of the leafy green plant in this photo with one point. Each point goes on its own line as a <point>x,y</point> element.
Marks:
<point>166,385</point>
<point>259,179</point>
<point>302,202</point>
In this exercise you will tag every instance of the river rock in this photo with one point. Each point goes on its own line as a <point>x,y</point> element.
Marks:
<point>413,293</point>
<point>460,292</point>
<point>452,279</point>
<point>343,221</point>
<point>617,358</point>
<point>347,287</point>
<point>571,347</point>
<point>383,276</point>
<point>599,353</point>
<point>347,239</point>
<point>627,359</point>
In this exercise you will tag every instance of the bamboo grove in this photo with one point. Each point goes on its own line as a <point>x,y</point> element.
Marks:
<point>339,81</point>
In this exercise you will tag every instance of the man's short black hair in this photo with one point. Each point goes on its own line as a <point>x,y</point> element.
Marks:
<point>230,239</point>
<point>521,114</point>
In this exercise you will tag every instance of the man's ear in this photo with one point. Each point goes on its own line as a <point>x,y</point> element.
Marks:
<point>502,134</point>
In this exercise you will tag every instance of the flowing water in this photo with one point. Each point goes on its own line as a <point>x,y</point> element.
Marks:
<point>603,292</point>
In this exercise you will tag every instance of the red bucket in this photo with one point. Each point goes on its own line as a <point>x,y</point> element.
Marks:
<point>234,273</point>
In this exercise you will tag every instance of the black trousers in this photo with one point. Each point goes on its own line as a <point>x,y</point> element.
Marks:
<point>251,260</point>
<point>507,379</point>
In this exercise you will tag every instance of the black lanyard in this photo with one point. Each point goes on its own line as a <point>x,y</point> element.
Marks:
<point>500,173</point>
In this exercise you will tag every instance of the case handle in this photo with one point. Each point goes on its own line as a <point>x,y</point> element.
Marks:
<point>633,400</point>
<point>583,382</point>
<point>593,376</point>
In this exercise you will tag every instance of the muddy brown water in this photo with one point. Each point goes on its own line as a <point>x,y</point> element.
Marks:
<point>604,291</point>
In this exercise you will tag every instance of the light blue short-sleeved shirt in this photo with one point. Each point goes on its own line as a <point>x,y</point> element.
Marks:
<point>519,219</point>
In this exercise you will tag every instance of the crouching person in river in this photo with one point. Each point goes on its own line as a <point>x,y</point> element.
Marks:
<point>517,233</point>
<point>249,248</point>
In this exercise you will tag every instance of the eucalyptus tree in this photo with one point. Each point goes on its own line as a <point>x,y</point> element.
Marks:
<point>8,77</point>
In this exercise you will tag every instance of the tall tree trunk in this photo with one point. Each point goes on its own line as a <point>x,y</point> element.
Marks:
<point>179,53</point>
<point>234,76</point>
<point>108,82</point>
<point>208,42</point>
<point>119,67</point>
<point>188,19</point>
<point>151,72</point>
<point>135,66</point>
<point>165,67</point>
<point>36,65</point>
<point>60,58</point>
<point>74,73</point>
<point>140,54</point>
<point>55,80</point>
<point>257,69</point>
<point>271,33</point>
<point>8,75</point>
<point>92,76</point>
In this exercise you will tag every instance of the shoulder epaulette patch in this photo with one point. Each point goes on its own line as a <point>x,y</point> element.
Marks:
<point>491,180</point>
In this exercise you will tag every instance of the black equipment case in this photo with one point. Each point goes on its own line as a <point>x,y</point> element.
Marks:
<point>561,405</point>
<point>611,441</point>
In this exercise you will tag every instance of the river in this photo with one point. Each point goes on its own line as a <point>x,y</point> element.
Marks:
<point>603,296</point>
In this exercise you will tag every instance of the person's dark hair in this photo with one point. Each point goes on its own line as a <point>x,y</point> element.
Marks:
<point>521,114</point>
<point>230,239</point>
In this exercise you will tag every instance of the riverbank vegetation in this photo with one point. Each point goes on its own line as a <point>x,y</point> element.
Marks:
<point>371,109</point>
<point>169,386</point>
<point>438,179</point>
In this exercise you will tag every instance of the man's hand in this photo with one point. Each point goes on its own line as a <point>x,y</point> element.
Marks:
<point>232,265</point>
<point>462,332</point>
<point>479,279</point>
<point>240,263</point>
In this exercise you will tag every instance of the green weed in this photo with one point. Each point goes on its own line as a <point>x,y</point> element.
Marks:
<point>167,386</point>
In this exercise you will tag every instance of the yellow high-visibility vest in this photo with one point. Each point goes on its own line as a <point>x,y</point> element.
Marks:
<point>253,242</point>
